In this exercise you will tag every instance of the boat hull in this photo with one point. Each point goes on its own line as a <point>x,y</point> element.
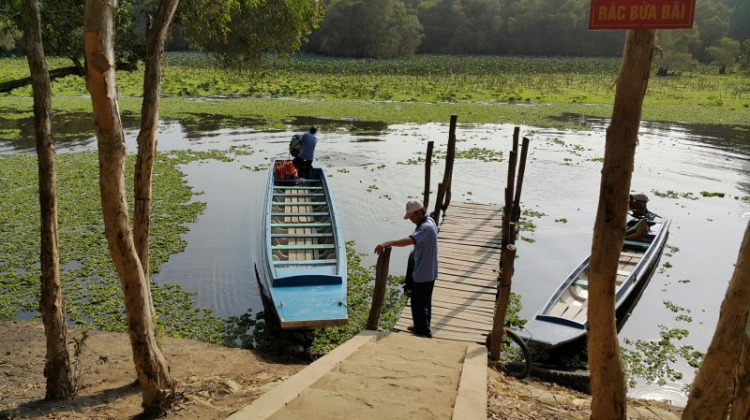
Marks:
<point>563,321</point>
<point>302,269</point>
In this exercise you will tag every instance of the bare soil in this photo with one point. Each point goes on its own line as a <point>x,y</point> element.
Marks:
<point>215,381</point>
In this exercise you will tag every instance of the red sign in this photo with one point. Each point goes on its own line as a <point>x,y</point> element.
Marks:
<point>642,14</point>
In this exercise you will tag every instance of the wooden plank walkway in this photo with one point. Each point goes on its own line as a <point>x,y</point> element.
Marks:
<point>463,300</point>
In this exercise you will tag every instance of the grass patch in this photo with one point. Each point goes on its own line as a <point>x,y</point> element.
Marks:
<point>535,91</point>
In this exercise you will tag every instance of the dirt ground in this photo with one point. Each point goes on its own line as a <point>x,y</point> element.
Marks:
<point>213,382</point>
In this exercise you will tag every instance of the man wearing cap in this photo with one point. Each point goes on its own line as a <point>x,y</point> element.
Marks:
<point>424,239</point>
<point>303,161</point>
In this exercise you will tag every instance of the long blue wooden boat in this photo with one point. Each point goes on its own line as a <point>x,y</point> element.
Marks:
<point>564,318</point>
<point>302,269</point>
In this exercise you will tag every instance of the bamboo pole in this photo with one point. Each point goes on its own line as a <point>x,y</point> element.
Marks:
<point>519,184</point>
<point>501,308</point>
<point>427,170</point>
<point>516,136</point>
<point>378,294</point>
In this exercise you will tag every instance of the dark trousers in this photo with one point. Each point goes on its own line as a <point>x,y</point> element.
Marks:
<point>421,307</point>
<point>304,167</point>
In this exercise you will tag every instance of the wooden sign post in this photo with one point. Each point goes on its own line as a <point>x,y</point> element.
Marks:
<point>641,14</point>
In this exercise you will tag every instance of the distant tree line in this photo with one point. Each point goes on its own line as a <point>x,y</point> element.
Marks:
<point>399,28</point>
<point>393,28</point>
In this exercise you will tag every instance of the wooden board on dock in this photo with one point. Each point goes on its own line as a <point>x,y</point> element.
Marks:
<point>463,300</point>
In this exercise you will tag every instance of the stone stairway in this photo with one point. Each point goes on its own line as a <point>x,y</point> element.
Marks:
<point>383,376</point>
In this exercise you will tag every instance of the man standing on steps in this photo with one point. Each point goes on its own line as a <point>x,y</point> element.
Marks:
<point>425,271</point>
<point>303,161</point>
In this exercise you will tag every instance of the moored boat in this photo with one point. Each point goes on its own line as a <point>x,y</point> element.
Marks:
<point>302,267</point>
<point>564,318</point>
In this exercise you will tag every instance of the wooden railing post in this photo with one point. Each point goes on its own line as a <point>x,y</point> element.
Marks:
<point>427,170</point>
<point>508,257</point>
<point>436,213</point>
<point>519,184</point>
<point>449,159</point>
<point>378,294</point>
<point>508,208</point>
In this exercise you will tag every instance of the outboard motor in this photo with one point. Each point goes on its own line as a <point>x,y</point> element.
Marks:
<point>638,206</point>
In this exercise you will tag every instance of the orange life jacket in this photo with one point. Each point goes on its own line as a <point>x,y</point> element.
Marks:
<point>285,169</point>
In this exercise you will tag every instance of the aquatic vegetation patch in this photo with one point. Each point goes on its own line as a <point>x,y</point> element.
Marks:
<point>652,360</point>
<point>252,332</point>
<point>91,286</point>
<point>674,195</point>
<point>712,194</point>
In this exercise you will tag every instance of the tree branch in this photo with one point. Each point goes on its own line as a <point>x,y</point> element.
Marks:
<point>60,73</point>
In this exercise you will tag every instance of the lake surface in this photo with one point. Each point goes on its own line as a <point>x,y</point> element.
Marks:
<point>562,181</point>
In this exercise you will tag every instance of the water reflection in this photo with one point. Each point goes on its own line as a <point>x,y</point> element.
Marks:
<point>370,187</point>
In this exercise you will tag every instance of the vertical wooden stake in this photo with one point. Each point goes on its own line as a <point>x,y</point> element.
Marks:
<point>436,213</point>
<point>508,208</point>
<point>501,308</point>
<point>519,184</point>
<point>378,294</point>
<point>449,158</point>
<point>427,170</point>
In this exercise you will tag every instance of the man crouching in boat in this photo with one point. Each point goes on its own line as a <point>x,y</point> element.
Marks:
<point>303,161</point>
<point>424,239</point>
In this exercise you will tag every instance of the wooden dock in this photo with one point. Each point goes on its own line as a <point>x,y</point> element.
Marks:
<point>463,300</point>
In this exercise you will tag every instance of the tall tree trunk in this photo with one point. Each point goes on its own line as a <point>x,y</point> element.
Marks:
<point>724,373</point>
<point>153,373</point>
<point>741,397</point>
<point>144,167</point>
<point>607,374</point>
<point>57,363</point>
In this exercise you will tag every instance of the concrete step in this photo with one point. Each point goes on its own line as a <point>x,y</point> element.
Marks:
<point>420,348</point>
<point>442,377</point>
<point>288,414</point>
<point>393,389</point>
<point>363,406</point>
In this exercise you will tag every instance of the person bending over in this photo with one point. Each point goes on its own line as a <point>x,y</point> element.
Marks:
<point>303,161</point>
<point>424,239</point>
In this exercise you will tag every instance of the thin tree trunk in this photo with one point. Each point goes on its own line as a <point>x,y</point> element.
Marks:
<point>144,166</point>
<point>607,374</point>
<point>724,373</point>
<point>57,362</point>
<point>153,373</point>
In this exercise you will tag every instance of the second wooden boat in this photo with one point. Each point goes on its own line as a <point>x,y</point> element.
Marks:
<point>564,318</point>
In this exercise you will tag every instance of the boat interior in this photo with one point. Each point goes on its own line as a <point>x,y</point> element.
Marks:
<point>301,227</point>
<point>572,303</point>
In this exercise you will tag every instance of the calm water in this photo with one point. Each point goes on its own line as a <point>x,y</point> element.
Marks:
<point>562,181</point>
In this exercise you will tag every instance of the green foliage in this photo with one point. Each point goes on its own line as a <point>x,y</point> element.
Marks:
<point>249,28</point>
<point>460,26</point>
<point>368,29</point>
<point>653,361</point>
<point>712,194</point>
<point>725,53</point>
<point>403,90</point>
<point>91,286</point>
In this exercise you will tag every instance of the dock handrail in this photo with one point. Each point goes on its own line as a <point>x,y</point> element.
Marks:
<point>378,294</point>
